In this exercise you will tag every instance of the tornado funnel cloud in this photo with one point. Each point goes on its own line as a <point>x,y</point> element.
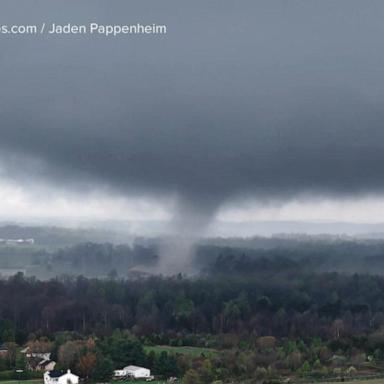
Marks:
<point>189,223</point>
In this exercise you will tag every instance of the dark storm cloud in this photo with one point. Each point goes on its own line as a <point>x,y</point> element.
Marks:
<point>256,98</point>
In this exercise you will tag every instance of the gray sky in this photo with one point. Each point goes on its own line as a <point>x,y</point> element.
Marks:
<point>241,102</point>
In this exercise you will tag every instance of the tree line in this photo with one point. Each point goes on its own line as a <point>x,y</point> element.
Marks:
<point>283,304</point>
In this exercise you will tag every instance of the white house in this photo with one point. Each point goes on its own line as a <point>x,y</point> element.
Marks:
<point>133,371</point>
<point>56,377</point>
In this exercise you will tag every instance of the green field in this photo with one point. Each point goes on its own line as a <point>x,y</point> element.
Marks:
<point>191,351</point>
<point>34,381</point>
<point>119,382</point>
<point>364,381</point>
<point>142,382</point>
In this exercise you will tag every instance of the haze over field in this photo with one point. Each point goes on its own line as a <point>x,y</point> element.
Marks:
<point>259,111</point>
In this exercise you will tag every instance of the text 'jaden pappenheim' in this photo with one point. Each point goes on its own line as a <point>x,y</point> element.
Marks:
<point>107,30</point>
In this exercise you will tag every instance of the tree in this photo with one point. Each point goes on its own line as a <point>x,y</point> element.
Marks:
<point>123,348</point>
<point>103,370</point>
<point>166,365</point>
<point>231,313</point>
<point>21,362</point>
<point>87,364</point>
<point>305,369</point>
<point>191,377</point>
<point>11,354</point>
<point>7,331</point>
<point>69,353</point>
<point>206,372</point>
<point>183,309</point>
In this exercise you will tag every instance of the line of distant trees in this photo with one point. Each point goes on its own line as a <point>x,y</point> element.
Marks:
<point>249,257</point>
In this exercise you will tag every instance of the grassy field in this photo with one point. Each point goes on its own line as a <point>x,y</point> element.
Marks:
<point>365,381</point>
<point>191,351</point>
<point>142,382</point>
<point>33,381</point>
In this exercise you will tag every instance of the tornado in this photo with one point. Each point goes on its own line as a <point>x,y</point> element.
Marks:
<point>276,103</point>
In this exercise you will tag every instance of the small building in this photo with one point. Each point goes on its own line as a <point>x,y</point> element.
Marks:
<point>119,373</point>
<point>56,377</point>
<point>133,371</point>
<point>18,241</point>
<point>46,365</point>
<point>38,361</point>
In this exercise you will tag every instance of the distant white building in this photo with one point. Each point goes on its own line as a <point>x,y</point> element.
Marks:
<point>133,371</point>
<point>56,377</point>
<point>17,241</point>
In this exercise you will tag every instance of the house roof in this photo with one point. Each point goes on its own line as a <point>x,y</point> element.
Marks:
<point>60,373</point>
<point>43,363</point>
<point>55,373</point>
<point>133,368</point>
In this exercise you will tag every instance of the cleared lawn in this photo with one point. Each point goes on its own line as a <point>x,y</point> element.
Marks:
<point>191,351</point>
<point>33,381</point>
<point>365,381</point>
<point>142,382</point>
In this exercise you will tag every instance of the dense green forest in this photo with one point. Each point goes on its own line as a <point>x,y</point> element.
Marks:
<point>285,304</point>
<point>280,321</point>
